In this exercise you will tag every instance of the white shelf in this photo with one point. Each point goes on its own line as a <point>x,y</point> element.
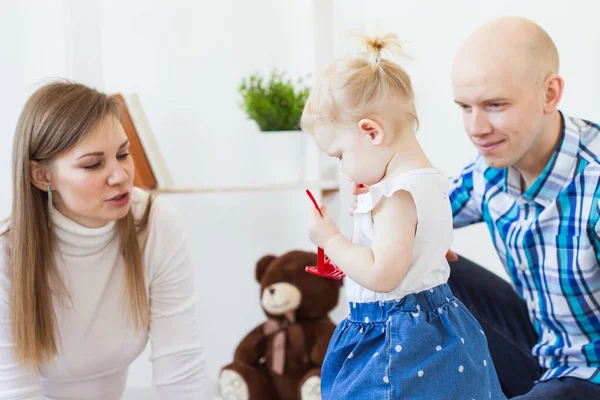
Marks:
<point>324,186</point>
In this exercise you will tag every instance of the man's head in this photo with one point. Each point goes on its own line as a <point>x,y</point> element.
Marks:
<point>505,78</point>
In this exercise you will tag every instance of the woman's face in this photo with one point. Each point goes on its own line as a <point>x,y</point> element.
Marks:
<point>92,182</point>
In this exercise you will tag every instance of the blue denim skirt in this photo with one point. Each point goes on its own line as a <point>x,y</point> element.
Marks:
<point>425,346</point>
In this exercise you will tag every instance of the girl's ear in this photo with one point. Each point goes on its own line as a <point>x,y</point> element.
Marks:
<point>372,130</point>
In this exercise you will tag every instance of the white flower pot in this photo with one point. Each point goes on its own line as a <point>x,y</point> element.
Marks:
<point>283,155</point>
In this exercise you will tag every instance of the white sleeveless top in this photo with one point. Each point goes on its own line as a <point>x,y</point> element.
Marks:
<point>428,268</point>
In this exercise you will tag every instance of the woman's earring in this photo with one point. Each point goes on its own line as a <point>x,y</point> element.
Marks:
<point>49,189</point>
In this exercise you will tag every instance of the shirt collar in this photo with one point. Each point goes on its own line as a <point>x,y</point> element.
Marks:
<point>555,175</point>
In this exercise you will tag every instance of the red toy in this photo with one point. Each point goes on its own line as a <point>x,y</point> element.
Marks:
<point>324,268</point>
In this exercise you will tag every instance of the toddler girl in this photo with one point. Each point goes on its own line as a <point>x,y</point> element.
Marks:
<point>407,336</point>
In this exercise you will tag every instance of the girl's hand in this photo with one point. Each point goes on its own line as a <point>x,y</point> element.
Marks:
<point>356,190</point>
<point>321,228</point>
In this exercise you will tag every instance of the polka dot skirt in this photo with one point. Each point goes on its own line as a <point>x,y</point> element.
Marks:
<point>424,346</point>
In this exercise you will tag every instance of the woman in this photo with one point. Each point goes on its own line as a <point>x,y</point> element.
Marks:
<point>90,266</point>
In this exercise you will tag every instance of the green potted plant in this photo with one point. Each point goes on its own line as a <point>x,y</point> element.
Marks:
<point>276,103</point>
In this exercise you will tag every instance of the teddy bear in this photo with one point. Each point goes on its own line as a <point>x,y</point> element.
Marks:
<point>281,358</point>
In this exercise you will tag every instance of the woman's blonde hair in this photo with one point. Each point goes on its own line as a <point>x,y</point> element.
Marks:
<point>353,86</point>
<point>54,119</point>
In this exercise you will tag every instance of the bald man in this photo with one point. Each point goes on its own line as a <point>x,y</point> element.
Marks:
<point>536,184</point>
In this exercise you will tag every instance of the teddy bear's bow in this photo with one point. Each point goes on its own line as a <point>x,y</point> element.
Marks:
<point>281,330</point>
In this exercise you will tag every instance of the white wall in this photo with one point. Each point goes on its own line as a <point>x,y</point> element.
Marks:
<point>185,60</point>
<point>32,48</point>
<point>186,63</point>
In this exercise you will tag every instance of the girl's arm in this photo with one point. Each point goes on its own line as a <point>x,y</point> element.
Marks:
<point>382,268</point>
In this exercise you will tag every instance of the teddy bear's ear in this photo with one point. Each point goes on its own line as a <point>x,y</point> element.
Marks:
<point>262,264</point>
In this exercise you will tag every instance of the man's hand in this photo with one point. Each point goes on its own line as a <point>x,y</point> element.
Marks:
<point>451,256</point>
<point>356,190</point>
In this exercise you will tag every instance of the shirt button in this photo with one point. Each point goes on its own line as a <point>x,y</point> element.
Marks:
<point>522,266</point>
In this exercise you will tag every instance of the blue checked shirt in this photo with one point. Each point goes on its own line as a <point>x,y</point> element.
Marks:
<point>548,240</point>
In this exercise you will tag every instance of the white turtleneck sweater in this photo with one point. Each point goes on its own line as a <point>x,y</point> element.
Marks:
<point>97,341</point>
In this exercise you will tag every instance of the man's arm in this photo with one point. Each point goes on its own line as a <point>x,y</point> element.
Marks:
<point>465,202</point>
<point>595,221</point>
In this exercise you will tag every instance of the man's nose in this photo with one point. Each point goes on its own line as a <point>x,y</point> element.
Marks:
<point>478,124</point>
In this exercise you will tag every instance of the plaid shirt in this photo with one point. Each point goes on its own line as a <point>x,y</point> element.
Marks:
<point>548,240</point>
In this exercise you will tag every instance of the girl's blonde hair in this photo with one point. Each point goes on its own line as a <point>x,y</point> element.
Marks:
<point>54,119</point>
<point>354,86</point>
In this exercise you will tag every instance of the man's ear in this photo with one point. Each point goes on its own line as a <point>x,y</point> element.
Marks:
<point>554,87</point>
<point>372,130</point>
<point>39,175</point>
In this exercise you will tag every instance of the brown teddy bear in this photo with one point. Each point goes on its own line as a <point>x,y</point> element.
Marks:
<point>281,358</point>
